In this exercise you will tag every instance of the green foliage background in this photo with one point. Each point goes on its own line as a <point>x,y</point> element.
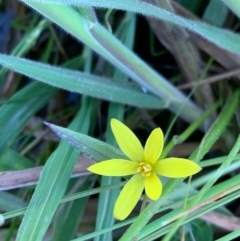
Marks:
<point>107,79</point>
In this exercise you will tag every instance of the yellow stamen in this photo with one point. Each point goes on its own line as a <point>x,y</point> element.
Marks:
<point>145,169</point>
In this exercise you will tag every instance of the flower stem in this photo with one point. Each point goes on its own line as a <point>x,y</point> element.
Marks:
<point>144,203</point>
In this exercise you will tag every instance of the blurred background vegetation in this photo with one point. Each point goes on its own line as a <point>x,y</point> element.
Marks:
<point>148,63</point>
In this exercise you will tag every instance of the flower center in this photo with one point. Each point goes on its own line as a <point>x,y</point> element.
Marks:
<point>145,169</point>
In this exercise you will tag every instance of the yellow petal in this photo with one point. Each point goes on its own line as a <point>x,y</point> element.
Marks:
<point>127,141</point>
<point>129,197</point>
<point>176,167</point>
<point>153,186</point>
<point>154,146</point>
<point>114,167</point>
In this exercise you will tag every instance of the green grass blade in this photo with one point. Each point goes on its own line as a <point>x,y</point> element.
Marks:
<point>216,13</point>
<point>88,146</point>
<point>47,195</point>
<point>68,220</point>
<point>10,202</point>
<point>52,183</point>
<point>206,187</point>
<point>190,130</point>
<point>26,42</point>
<point>19,109</point>
<point>8,161</point>
<point>83,83</point>
<point>225,39</point>
<point>164,230</point>
<point>234,6</point>
<point>230,236</point>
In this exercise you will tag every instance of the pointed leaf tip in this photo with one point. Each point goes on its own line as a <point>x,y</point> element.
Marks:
<point>47,124</point>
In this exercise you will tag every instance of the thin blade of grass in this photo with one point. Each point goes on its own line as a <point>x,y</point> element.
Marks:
<point>19,109</point>
<point>52,184</point>
<point>95,149</point>
<point>197,214</point>
<point>206,187</point>
<point>83,83</point>
<point>67,222</point>
<point>216,13</point>
<point>70,215</point>
<point>8,161</point>
<point>230,236</point>
<point>26,43</point>
<point>190,130</point>
<point>234,6</point>
<point>10,202</point>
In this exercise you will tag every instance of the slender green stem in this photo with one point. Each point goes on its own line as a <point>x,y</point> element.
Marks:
<point>144,203</point>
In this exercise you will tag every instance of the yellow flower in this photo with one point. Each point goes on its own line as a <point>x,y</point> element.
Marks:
<point>144,166</point>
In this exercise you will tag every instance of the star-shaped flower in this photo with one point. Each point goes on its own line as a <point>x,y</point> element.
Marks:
<point>145,167</point>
